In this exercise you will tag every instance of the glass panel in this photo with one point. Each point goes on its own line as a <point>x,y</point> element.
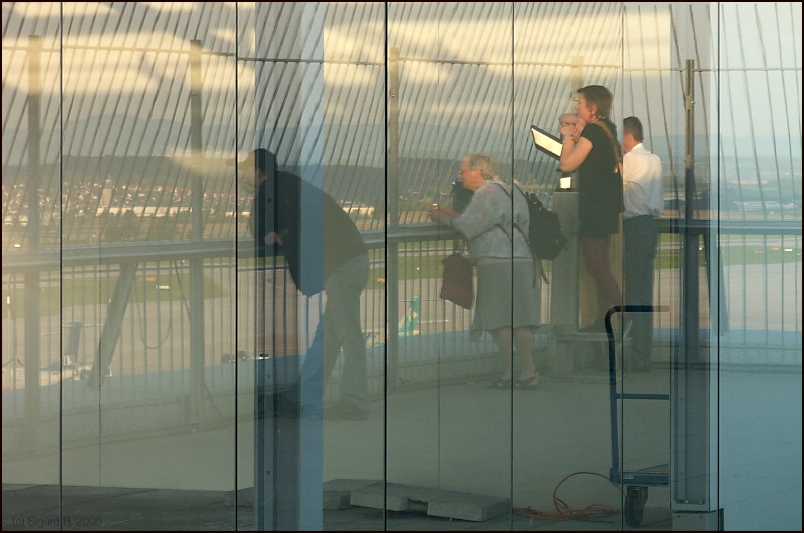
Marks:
<point>449,437</point>
<point>33,372</point>
<point>759,256</point>
<point>312,99</point>
<point>652,131</point>
<point>353,156</point>
<point>668,438</point>
<point>163,366</point>
<point>694,385</point>
<point>563,433</point>
<point>144,121</point>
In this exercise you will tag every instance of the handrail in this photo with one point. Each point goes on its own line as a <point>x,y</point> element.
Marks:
<point>731,227</point>
<point>116,253</point>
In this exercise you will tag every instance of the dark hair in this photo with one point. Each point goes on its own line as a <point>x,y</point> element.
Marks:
<point>264,160</point>
<point>633,126</point>
<point>599,96</point>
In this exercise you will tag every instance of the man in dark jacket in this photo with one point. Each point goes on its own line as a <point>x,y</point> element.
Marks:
<point>324,251</point>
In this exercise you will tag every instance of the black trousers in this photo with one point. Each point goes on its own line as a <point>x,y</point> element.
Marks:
<point>639,251</point>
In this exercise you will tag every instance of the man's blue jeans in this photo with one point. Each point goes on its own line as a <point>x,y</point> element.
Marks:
<point>340,327</point>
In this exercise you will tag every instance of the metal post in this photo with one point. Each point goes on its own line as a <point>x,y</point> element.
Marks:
<point>718,310</point>
<point>196,139</point>
<point>564,298</point>
<point>392,250</point>
<point>32,314</point>
<point>564,279</point>
<point>576,76</point>
<point>197,338</point>
<point>278,445</point>
<point>693,441</point>
<point>289,437</point>
<point>110,333</point>
<point>690,316</point>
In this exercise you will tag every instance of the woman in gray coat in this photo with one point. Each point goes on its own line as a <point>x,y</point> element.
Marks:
<point>506,304</point>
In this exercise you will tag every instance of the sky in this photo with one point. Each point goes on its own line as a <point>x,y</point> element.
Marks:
<point>127,62</point>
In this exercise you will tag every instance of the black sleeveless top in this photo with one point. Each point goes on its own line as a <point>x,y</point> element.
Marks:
<point>600,185</point>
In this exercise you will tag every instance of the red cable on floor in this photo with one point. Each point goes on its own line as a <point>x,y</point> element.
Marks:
<point>564,511</point>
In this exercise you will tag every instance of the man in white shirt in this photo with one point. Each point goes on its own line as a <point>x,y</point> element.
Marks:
<point>643,199</point>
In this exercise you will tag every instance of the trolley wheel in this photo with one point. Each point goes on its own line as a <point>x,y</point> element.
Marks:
<point>635,499</point>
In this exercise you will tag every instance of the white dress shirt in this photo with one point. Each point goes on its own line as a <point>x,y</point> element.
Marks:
<point>643,192</point>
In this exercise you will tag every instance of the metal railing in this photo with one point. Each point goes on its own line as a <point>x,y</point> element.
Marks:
<point>152,363</point>
<point>46,230</point>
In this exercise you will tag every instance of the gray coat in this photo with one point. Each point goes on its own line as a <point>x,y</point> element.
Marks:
<point>489,209</point>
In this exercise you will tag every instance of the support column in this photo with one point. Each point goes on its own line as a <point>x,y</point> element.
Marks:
<point>31,277</point>
<point>392,221</point>
<point>288,423</point>
<point>693,380</point>
<point>564,286</point>
<point>197,334</point>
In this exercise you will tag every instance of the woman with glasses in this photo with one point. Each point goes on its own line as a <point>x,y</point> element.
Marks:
<point>495,224</point>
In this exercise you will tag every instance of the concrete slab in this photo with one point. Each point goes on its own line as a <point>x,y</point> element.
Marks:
<point>472,507</point>
<point>375,497</point>
<point>433,502</point>
<point>338,492</point>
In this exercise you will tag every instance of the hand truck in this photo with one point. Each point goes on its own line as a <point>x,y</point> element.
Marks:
<point>636,482</point>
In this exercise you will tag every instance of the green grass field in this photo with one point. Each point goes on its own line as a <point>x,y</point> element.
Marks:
<point>429,266</point>
<point>81,291</point>
<point>172,287</point>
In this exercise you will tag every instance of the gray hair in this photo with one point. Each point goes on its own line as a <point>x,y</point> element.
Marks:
<point>482,162</point>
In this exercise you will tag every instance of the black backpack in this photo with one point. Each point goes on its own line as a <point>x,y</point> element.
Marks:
<point>544,236</point>
<point>544,233</point>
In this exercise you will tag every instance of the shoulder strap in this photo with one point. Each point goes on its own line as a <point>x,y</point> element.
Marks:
<point>614,145</point>
<point>514,223</point>
<point>517,188</point>
<point>527,240</point>
<point>503,188</point>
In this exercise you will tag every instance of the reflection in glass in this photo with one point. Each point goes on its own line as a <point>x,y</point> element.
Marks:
<point>139,321</point>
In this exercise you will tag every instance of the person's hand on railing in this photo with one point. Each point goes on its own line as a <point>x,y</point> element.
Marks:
<point>443,215</point>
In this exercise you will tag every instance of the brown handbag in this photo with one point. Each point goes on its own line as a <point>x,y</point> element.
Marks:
<point>457,285</point>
